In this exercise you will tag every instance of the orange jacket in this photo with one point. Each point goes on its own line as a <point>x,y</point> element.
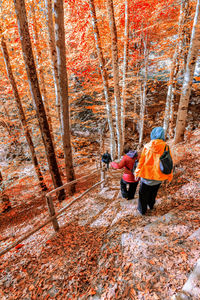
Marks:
<point>149,163</point>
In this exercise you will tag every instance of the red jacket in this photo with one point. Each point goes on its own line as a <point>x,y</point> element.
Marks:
<point>127,161</point>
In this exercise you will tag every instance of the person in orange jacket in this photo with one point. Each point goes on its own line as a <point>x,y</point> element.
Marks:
<point>128,182</point>
<point>148,169</point>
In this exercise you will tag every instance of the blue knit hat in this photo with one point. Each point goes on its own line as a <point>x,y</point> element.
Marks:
<point>158,133</point>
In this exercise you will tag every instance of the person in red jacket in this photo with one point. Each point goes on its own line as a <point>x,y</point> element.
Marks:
<point>128,182</point>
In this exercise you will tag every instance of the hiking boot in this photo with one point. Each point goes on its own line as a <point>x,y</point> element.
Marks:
<point>137,213</point>
<point>152,211</point>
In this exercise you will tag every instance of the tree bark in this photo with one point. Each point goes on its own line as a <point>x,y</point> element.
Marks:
<point>174,66</point>
<point>40,68</point>
<point>36,95</point>
<point>186,33</point>
<point>115,64</point>
<point>171,114</point>
<point>125,69</point>
<point>52,47</point>
<point>188,77</point>
<point>104,78</point>
<point>143,93</point>
<point>22,114</point>
<point>63,84</point>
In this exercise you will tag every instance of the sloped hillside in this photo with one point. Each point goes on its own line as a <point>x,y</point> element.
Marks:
<point>104,250</point>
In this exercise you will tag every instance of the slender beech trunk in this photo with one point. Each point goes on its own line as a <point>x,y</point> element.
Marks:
<point>115,64</point>
<point>36,95</point>
<point>143,93</point>
<point>182,49</point>
<point>186,46</point>
<point>104,78</point>
<point>63,84</point>
<point>186,34</point>
<point>22,114</point>
<point>171,114</point>
<point>188,77</point>
<point>142,111</point>
<point>174,66</point>
<point>40,68</point>
<point>52,47</point>
<point>125,69</point>
<point>100,134</point>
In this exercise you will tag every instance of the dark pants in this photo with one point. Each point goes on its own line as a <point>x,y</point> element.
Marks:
<point>147,196</point>
<point>107,165</point>
<point>128,189</point>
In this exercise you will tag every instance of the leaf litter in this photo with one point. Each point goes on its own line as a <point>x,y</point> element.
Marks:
<point>103,250</point>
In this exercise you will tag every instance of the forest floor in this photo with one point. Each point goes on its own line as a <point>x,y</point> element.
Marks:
<point>104,250</point>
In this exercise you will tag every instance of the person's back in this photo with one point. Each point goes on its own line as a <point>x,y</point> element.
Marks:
<point>106,158</point>
<point>151,155</point>
<point>149,171</point>
<point>128,182</point>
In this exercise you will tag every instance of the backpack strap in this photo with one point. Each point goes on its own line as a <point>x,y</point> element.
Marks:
<point>166,148</point>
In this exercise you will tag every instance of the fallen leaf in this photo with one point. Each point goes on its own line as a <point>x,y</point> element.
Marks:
<point>31,287</point>
<point>19,246</point>
<point>92,292</point>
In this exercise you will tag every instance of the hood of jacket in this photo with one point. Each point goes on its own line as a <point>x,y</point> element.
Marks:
<point>156,146</point>
<point>132,154</point>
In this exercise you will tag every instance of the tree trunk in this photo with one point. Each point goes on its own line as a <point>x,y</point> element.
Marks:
<point>40,68</point>
<point>174,65</point>
<point>142,112</point>
<point>188,77</point>
<point>36,95</point>
<point>143,93</point>
<point>52,47</point>
<point>115,64</point>
<point>171,114</point>
<point>22,114</point>
<point>125,69</point>
<point>104,78</point>
<point>186,34</point>
<point>63,84</point>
